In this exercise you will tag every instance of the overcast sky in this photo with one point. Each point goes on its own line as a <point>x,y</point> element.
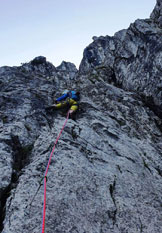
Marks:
<point>61,29</point>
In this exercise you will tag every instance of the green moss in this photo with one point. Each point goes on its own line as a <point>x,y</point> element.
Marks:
<point>101,67</point>
<point>93,78</point>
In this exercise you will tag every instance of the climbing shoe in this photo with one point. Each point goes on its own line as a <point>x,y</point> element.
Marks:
<point>53,107</point>
<point>48,108</point>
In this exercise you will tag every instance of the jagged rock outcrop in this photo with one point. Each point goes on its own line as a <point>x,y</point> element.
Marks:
<point>134,58</point>
<point>156,15</point>
<point>67,70</point>
<point>105,175</point>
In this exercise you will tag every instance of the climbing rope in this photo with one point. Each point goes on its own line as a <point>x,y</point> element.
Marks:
<point>45,176</point>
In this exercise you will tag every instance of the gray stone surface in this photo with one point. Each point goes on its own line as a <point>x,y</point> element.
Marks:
<point>156,15</point>
<point>105,175</point>
<point>133,56</point>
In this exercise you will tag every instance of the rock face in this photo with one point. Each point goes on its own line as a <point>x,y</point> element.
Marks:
<point>132,58</point>
<point>105,175</point>
<point>156,15</point>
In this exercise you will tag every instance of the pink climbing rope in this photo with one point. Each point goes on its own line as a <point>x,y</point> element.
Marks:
<point>45,176</point>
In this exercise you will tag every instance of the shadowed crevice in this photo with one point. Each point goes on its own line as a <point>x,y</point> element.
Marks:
<point>21,156</point>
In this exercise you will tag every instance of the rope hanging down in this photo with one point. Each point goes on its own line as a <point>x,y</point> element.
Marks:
<point>45,176</point>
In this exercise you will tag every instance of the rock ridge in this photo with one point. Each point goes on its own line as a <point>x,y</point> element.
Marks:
<point>105,175</point>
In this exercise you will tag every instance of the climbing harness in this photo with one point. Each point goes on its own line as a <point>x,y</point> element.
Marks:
<point>45,176</point>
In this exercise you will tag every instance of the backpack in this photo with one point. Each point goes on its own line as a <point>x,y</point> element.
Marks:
<point>65,92</point>
<point>72,95</point>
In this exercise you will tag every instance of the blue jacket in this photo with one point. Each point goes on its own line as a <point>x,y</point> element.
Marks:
<point>70,94</point>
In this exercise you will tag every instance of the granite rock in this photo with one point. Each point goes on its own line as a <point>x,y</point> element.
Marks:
<point>105,174</point>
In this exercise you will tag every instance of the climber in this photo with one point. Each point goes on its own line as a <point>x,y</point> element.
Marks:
<point>69,100</point>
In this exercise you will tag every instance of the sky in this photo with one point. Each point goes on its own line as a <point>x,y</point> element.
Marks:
<point>60,30</point>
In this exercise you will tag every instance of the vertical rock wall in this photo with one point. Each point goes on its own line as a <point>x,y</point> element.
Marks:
<point>105,175</point>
